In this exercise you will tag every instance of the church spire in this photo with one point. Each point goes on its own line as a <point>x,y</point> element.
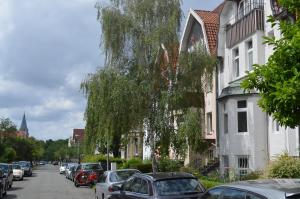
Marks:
<point>23,126</point>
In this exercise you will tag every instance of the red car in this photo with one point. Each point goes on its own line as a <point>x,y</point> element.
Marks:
<point>87,174</point>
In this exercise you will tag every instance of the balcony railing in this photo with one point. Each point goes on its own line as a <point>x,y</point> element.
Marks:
<point>248,21</point>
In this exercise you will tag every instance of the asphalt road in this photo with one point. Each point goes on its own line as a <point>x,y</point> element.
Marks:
<point>47,183</point>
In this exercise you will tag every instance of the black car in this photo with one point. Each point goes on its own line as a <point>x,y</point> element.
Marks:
<point>27,167</point>
<point>7,173</point>
<point>159,185</point>
<point>3,184</point>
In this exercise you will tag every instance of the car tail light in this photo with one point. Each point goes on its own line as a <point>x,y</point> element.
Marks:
<point>93,176</point>
<point>110,189</point>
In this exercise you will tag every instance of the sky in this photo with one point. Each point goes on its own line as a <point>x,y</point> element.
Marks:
<point>47,47</point>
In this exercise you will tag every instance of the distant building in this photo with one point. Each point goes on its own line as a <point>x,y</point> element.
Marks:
<point>23,131</point>
<point>77,137</point>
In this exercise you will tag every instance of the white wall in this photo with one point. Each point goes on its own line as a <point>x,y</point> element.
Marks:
<point>252,143</point>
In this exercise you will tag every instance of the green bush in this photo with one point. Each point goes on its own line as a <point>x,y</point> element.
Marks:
<point>284,167</point>
<point>168,165</point>
<point>144,167</point>
<point>131,164</point>
<point>252,176</point>
<point>209,184</point>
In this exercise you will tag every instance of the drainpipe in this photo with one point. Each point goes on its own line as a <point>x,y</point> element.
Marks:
<point>217,105</point>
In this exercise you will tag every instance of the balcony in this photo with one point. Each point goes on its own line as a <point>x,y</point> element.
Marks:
<point>248,21</point>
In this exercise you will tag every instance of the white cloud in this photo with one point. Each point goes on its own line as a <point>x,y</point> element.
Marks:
<point>6,25</point>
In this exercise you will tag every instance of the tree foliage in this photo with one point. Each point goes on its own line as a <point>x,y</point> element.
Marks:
<point>278,81</point>
<point>145,81</point>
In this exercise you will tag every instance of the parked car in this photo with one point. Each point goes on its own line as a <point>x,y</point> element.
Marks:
<point>18,172</point>
<point>3,184</point>
<point>7,173</point>
<point>27,167</point>
<point>105,184</point>
<point>55,162</point>
<point>62,168</point>
<point>70,169</point>
<point>257,189</point>
<point>166,185</point>
<point>87,174</point>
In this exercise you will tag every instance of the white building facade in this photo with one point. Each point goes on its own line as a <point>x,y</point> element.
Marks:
<point>248,138</point>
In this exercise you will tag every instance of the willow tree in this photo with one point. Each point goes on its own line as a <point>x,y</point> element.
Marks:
<point>140,40</point>
<point>111,109</point>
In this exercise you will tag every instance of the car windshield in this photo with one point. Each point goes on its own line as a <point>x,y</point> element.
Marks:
<point>16,166</point>
<point>4,167</point>
<point>177,186</point>
<point>64,164</point>
<point>91,166</point>
<point>24,164</point>
<point>121,175</point>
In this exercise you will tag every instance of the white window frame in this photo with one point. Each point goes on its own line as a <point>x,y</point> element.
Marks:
<point>209,124</point>
<point>239,110</point>
<point>276,126</point>
<point>236,59</point>
<point>248,51</point>
<point>241,9</point>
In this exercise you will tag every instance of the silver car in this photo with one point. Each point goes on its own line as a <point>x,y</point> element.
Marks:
<point>104,187</point>
<point>256,189</point>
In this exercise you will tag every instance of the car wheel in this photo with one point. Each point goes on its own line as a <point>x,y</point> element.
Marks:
<point>76,184</point>
<point>4,191</point>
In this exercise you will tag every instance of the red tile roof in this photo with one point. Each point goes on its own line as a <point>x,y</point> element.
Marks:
<point>78,135</point>
<point>211,23</point>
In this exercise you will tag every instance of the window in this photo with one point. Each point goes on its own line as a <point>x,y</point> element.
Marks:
<point>102,178</point>
<point>276,125</point>
<point>249,55</point>
<point>241,9</point>
<point>144,189</point>
<point>172,187</point>
<point>233,194</point>
<point>213,194</point>
<point>252,196</point>
<point>236,62</point>
<point>242,104</point>
<point>208,87</point>
<point>209,122</point>
<point>226,165</point>
<point>137,185</point>
<point>136,146</point>
<point>243,165</point>
<point>225,123</point>
<point>242,116</point>
<point>242,121</point>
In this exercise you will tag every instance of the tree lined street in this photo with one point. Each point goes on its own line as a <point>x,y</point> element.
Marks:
<point>47,183</point>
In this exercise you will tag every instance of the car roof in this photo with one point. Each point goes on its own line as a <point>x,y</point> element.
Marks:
<point>287,187</point>
<point>165,175</point>
<point>112,171</point>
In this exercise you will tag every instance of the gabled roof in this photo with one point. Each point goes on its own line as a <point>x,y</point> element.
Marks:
<point>211,23</point>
